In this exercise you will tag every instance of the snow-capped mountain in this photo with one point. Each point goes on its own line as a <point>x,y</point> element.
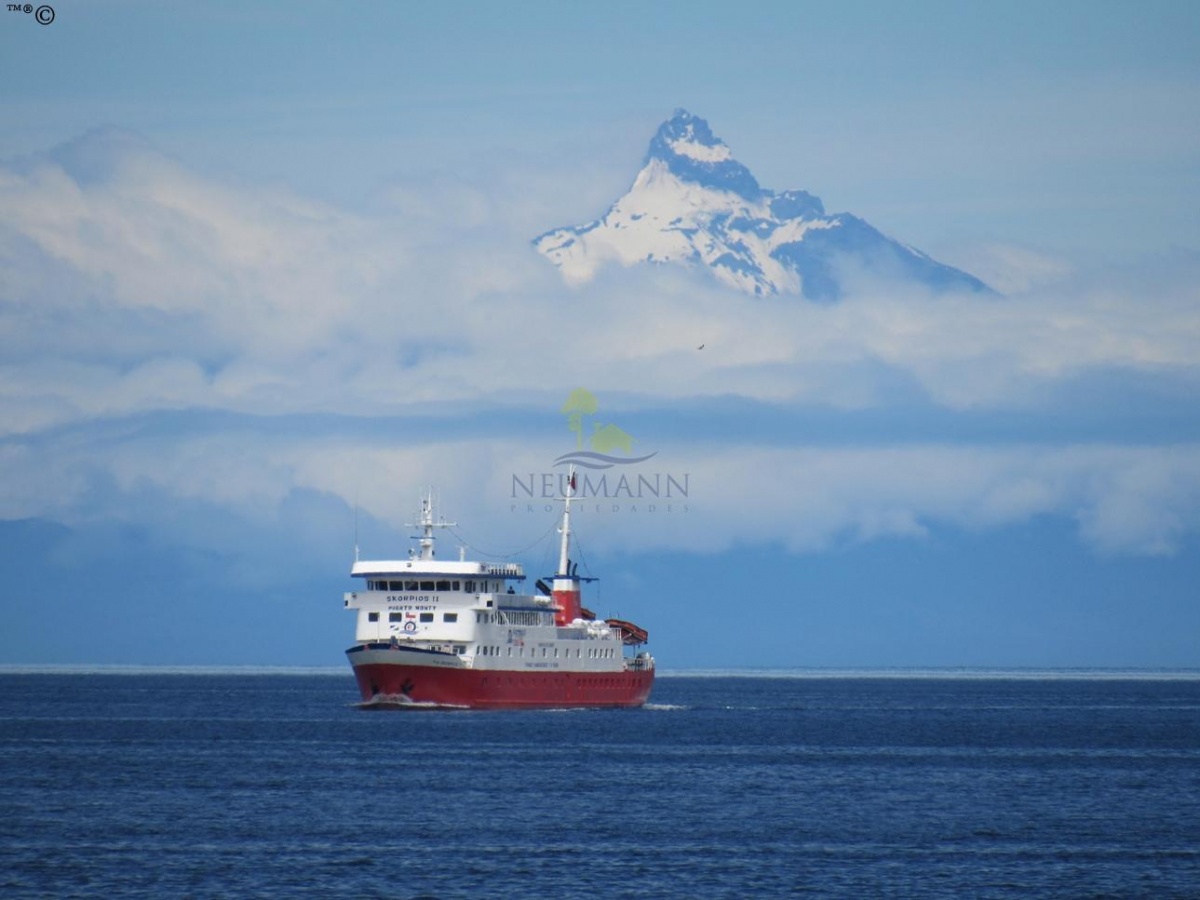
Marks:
<point>693,203</point>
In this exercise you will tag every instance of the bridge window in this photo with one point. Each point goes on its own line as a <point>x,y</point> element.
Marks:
<point>427,585</point>
<point>411,586</point>
<point>449,617</point>
<point>470,587</point>
<point>372,617</point>
<point>426,617</point>
<point>443,585</point>
<point>395,617</point>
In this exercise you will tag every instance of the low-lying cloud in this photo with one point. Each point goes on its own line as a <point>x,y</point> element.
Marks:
<point>135,289</point>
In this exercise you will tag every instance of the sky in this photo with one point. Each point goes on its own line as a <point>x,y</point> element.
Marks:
<point>266,274</point>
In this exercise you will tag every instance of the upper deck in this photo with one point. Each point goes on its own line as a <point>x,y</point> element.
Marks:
<point>422,561</point>
<point>434,567</point>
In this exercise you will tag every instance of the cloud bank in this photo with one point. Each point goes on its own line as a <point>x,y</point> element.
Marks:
<point>136,291</point>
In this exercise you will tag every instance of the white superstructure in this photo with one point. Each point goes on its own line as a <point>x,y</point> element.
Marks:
<point>468,614</point>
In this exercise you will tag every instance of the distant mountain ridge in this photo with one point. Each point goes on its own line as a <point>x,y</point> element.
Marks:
<point>693,203</point>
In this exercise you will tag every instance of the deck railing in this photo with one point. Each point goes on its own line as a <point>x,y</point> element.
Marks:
<point>502,569</point>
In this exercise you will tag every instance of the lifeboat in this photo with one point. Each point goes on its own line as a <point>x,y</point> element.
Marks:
<point>630,634</point>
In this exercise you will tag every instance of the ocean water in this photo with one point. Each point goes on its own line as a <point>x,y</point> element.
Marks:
<point>220,784</point>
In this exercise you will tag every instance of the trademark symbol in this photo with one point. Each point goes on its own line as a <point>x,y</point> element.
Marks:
<point>44,14</point>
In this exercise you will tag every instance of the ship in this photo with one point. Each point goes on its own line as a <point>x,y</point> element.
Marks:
<point>462,634</point>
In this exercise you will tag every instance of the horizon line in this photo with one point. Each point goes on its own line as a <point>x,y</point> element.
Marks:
<point>1083,673</point>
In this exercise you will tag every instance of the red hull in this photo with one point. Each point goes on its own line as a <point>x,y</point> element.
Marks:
<point>388,685</point>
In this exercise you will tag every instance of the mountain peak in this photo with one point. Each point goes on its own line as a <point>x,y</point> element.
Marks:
<point>692,152</point>
<point>686,135</point>
<point>692,203</point>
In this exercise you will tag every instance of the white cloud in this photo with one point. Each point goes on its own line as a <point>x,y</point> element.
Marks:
<point>1126,499</point>
<point>810,498</point>
<point>150,289</point>
<point>1014,270</point>
<point>263,301</point>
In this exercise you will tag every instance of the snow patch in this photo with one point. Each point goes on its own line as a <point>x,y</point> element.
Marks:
<point>701,152</point>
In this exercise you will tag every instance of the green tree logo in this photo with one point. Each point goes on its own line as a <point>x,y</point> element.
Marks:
<point>604,439</point>
<point>580,403</point>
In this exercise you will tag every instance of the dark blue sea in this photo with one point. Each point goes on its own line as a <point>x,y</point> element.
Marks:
<point>963,785</point>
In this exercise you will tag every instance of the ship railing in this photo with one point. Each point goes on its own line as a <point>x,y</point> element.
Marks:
<point>639,663</point>
<point>502,569</point>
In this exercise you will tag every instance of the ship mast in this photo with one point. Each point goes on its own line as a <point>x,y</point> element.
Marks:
<point>563,557</point>
<point>425,539</point>
<point>566,585</point>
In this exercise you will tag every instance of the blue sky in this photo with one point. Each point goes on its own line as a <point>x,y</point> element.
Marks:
<point>264,265</point>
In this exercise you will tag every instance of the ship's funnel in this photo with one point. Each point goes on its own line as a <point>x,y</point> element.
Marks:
<point>567,604</point>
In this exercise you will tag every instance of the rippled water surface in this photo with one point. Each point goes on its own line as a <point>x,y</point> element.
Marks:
<point>273,785</point>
